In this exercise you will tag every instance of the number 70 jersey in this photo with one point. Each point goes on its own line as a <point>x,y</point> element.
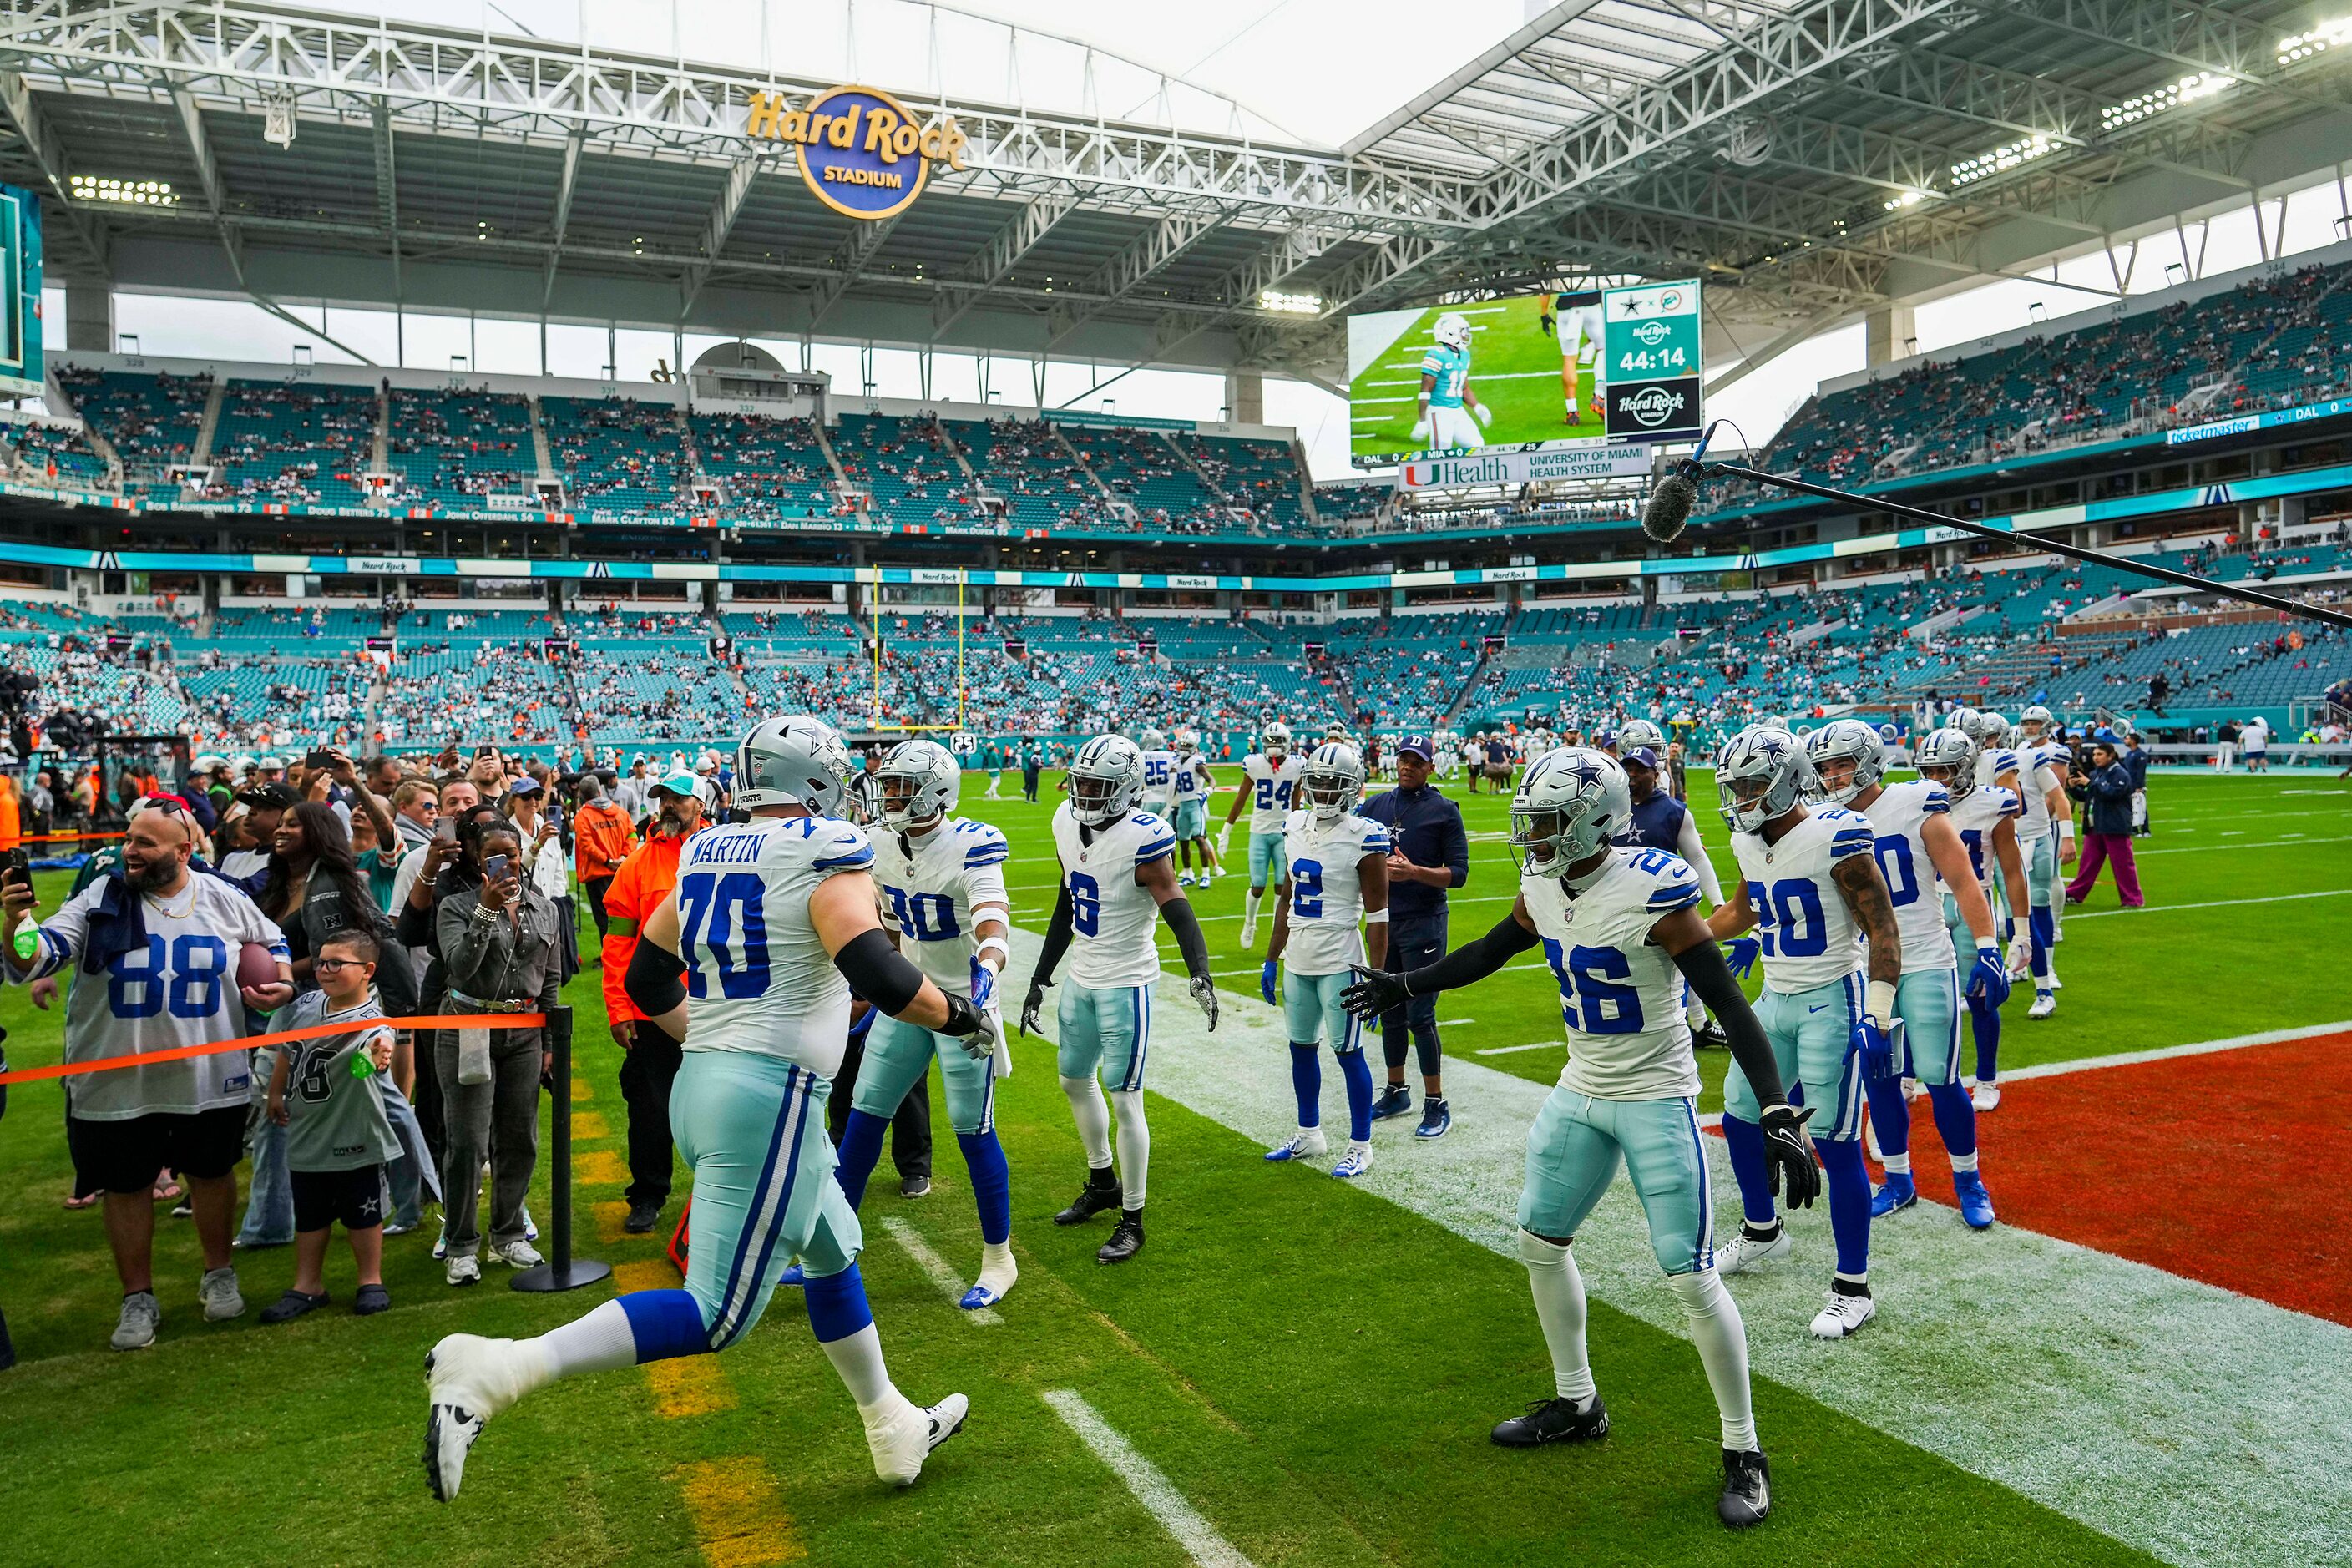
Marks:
<point>1620,994</point>
<point>757,978</point>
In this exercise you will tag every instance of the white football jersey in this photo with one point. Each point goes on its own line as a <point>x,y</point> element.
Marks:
<point>928,887</point>
<point>1112,915</point>
<point>1809,937</point>
<point>1270,785</point>
<point>1898,816</point>
<point>1992,761</point>
<point>2052,756</point>
<point>1976,813</point>
<point>757,978</point>
<point>1326,894</point>
<point>1158,776</point>
<point>1191,776</point>
<point>1620,994</point>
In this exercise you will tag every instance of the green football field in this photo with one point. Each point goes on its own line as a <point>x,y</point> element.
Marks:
<point>1308,1368</point>
<point>1514,367</point>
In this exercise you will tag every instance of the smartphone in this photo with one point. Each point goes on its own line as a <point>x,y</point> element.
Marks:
<point>16,866</point>
<point>317,759</point>
<point>445,830</point>
<point>486,750</point>
<point>494,867</point>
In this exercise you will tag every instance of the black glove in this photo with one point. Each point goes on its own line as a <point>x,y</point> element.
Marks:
<point>1788,1155</point>
<point>1375,991</point>
<point>1031,1006</point>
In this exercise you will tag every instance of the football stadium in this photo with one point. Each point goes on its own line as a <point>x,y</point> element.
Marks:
<point>1569,781</point>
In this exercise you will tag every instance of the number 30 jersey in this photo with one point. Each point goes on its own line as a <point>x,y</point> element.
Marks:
<point>929,888</point>
<point>1111,915</point>
<point>1899,819</point>
<point>1327,891</point>
<point>1620,994</point>
<point>1809,935</point>
<point>757,978</point>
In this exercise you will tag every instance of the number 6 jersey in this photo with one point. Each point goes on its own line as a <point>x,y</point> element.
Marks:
<point>1112,916</point>
<point>1620,994</point>
<point>757,978</point>
<point>929,888</point>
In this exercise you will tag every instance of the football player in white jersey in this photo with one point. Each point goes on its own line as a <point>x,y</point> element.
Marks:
<point>1335,871</point>
<point>1118,881</point>
<point>1191,791</point>
<point>749,963</point>
<point>1810,888</point>
<point>1917,846</point>
<point>1985,817</point>
<point>1159,772</point>
<point>941,881</point>
<point>1269,775</point>
<point>1620,927</point>
<point>2046,839</point>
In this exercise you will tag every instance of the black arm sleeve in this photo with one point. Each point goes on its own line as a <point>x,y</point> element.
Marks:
<point>875,971</point>
<point>655,981</point>
<point>1473,962</point>
<point>1185,927</point>
<point>1058,939</point>
<point>1702,964</point>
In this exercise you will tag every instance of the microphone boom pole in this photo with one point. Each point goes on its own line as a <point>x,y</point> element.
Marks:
<point>2055,546</point>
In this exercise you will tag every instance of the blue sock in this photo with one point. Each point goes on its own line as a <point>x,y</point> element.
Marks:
<point>1849,1201</point>
<point>666,1324</point>
<point>1307,1082</point>
<point>1956,1118</point>
<point>861,1145</point>
<point>991,1183</point>
<point>2044,927</point>
<point>1890,1116</point>
<point>1984,1023</point>
<point>836,1305</point>
<point>1358,1073</point>
<point>1745,1142</point>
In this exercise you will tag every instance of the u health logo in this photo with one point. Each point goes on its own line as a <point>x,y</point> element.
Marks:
<point>862,153</point>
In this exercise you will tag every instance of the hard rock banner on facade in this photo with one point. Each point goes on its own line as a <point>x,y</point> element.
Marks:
<point>863,153</point>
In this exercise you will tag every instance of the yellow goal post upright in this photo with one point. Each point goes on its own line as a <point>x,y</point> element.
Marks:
<point>878,721</point>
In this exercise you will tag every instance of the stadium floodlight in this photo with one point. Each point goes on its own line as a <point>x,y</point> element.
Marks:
<point>1909,199</point>
<point>121,192</point>
<point>1290,304</point>
<point>2330,35</point>
<point>2002,159</point>
<point>2190,89</point>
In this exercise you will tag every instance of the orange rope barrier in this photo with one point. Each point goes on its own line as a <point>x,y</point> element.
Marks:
<point>283,1037</point>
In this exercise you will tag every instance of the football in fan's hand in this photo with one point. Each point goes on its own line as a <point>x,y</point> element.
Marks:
<point>256,965</point>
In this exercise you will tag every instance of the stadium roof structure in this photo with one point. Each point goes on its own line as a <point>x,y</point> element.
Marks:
<point>1810,159</point>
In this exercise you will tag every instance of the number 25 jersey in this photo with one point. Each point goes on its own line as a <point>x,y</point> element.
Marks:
<point>1111,915</point>
<point>1620,994</point>
<point>1809,935</point>
<point>757,978</point>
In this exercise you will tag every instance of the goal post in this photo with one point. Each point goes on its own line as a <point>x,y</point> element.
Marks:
<point>881,723</point>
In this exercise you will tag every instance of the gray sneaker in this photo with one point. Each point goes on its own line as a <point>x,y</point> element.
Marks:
<point>518,1254</point>
<point>220,1296</point>
<point>136,1330</point>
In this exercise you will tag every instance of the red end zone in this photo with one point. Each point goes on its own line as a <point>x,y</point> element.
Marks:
<point>2221,1167</point>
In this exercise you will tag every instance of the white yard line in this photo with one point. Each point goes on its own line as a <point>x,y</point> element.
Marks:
<point>2079,914</point>
<point>1152,1489</point>
<point>2166,1053</point>
<point>2296,840</point>
<point>944,1274</point>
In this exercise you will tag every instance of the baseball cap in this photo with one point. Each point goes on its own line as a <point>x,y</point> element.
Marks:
<point>683,784</point>
<point>1645,755</point>
<point>263,796</point>
<point>524,785</point>
<point>1418,745</point>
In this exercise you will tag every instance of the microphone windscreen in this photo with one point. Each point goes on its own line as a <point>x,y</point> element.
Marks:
<point>1669,508</point>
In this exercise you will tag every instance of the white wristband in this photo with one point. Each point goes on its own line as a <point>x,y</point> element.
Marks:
<point>1988,944</point>
<point>1879,1001</point>
<point>2065,827</point>
<point>1376,917</point>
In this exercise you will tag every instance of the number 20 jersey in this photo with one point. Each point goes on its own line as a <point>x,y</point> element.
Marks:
<point>1809,935</point>
<point>1112,916</point>
<point>1620,994</point>
<point>928,888</point>
<point>1899,817</point>
<point>757,978</point>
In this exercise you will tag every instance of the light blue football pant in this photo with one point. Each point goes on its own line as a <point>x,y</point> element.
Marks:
<point>1192,819</point>
<point>1107,1032</point>
<point>1928,1003</point>
<point>899,1053</point>
<point>1310,1004</point>
<point>1573,1150</point>
<point>1266,858</point>
<point>1811,1033</point>
<point>752,1127</point>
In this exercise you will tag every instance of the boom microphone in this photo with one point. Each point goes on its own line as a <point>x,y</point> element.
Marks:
<point>1669,508</point>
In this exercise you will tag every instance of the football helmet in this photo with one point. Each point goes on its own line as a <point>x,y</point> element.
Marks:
<point>1571,802</point>
<point>1775,767</point>
<point>1638,733</point>
<point>919,781</point>
<point>793,760</point>
<point>1453,330</point>
<point>1985,728</point>
<point>1188,741</point>
<point>1274,740</point>
<point>1949,757</point>
<point>1106,780</point>
<point>1335,731</point>
<point>2036,720</point>
<point>1153,740</point>
<point>1843,738</point>
<point>1333,781</point>
<point>1772,721</point>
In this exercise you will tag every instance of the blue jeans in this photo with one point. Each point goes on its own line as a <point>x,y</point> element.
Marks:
<point>269,1208</point>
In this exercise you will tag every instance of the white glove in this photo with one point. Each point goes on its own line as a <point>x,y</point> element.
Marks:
<point>1486,416</point>
<point>2021,956</point>
<point>1224,839</point>
<point>1204,992</point>
<point>1421,428</point>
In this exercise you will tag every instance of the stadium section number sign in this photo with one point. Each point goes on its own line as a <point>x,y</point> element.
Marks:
<point>20,292</point>
<point>861,152</point>
<point>1650,341</point>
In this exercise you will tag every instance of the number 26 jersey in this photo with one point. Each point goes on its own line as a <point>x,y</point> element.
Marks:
<point>1620,994</point>
<point>1112,916</point>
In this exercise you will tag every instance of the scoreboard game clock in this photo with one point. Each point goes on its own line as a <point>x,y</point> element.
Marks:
<point>1650,344</point>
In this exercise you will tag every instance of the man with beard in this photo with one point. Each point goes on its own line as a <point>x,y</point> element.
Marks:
<point>158,946</point>
<point>643,881</point>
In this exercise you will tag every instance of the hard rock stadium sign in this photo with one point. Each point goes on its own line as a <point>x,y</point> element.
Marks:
<point>861,151</point>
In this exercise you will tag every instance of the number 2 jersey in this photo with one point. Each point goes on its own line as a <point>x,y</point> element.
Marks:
<point>757,978</point>
<point>178,988</point>
<point>1899,819</point>
<point>1270,785</point>
<point>1809,937</point>
<point>1327,892</point>
<point>927,888</point>
<point>1620,994</point>
<point>1112,916</point>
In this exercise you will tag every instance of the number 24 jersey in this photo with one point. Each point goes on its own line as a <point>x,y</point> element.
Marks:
<point>1620,994</point>
<point>1809,935</point>
<point>1111,915</point>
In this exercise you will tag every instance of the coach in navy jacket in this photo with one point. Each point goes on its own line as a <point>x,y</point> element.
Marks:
<point>1429,854</point>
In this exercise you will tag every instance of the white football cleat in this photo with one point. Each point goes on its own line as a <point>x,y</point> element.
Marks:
<point>997,1273</point>
<point>2045,1003</point>
<point>1985,1096</point>
<point>1249,932</point>
<point>2054,982</point>
<point>468,1380</point>
<point>1184,879</point>
<point>1354,1163</point>
<point>1843,1315</point>
<point>1746,1252</point>
<point>901,1441</point>
<point>1306,1144</point>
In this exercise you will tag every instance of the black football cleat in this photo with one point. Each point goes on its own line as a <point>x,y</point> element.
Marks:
<point>1709,1036</point>
<point>1554,1421</point>
<point>1126,1238</point>
<point>1101,1191</point>
<point>643,1217</point>
<point>1746,1488</point>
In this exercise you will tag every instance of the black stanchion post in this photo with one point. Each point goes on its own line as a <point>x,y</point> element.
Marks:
<point>561,1271</point>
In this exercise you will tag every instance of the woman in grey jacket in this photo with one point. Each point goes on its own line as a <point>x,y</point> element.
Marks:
<point>502,949</point>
